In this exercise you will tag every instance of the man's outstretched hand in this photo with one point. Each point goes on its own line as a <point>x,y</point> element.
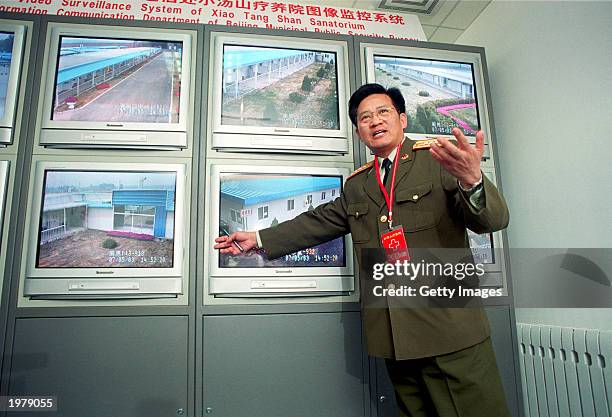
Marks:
<point>462,160</point>
<point>232,243</point>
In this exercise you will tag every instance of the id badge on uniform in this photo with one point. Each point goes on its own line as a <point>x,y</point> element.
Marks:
<point>395,245</point>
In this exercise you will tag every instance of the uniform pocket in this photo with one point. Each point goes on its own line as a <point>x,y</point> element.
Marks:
<point>358,222</point>
<point>413,194</point>
<point>417,207</point>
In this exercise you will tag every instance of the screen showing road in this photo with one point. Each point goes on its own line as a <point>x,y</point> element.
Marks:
<point>439,95</point>
<point>117,80</point>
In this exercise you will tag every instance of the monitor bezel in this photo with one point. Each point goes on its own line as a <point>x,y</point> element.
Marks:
<point>4,178</point>
<point>116,134</point>
<point>496,270</point>
<point>369,50</point>
<point>222,280</point>
<point>277,139</point>
<point>7,121</point>
<point>105,274</point>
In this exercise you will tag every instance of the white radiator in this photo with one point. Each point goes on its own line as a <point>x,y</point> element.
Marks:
<point>565,372</point>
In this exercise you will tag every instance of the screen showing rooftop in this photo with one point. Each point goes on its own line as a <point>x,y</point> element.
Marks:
<point>107,219</point>
<point>439,95</point>
<point>6,55</point>
<point>258,201</point>
<point>117,80</point>
<point>280,88</point>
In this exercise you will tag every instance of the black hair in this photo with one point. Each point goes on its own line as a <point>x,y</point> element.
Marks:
<point>367,90</point>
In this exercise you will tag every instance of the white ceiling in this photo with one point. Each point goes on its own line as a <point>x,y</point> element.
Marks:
<point>442,20</point>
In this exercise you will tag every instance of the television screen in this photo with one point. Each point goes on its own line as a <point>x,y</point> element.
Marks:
<point>4,173</point>
<point>117,80</point>
<point>439,94</point>
<point>256,201</point>
<point>107,219</point>
<point>281,88</point>
<point>6,57</point>
<point>482,247</point>
<point>487,247</point>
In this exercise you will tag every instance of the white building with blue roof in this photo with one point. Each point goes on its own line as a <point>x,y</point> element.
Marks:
<point>255,202</point>
<point>453,78</point>
<point>141,211</point>
<point>246,68</point>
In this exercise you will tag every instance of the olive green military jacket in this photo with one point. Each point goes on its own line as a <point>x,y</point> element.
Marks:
<point>434,214</point>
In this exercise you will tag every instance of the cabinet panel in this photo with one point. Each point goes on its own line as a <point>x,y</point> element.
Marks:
<point>103,366</point>
<point>283,365</point>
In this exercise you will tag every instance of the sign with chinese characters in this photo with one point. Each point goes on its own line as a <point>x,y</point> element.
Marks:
<point>244,13</point>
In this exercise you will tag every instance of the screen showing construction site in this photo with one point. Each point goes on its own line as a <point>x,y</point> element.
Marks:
<point>439,95</point>
<point>279,88</point>
<point>257,201</point>
<point>107,219</point>
<point>117,80</point>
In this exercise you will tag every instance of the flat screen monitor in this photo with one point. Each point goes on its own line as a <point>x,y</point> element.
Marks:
<point>487,248</point>
<point>11,50</point>
<point>117,87</point>
<point>4,176</point>
<point>254,198</point>
<point>483,247</point>
<point>107,229</point>
<point>278,94</point>
<point>443,89</point>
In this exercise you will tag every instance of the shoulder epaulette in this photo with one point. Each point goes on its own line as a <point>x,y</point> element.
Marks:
<point>361,169</point>
<point>423,144</point>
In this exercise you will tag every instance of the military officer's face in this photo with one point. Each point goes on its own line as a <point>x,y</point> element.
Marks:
<point>379,125</point>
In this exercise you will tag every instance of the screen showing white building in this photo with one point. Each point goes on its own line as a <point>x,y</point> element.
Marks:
<point>257,201</point>
<point>107,219</point>
<point>282,88</point>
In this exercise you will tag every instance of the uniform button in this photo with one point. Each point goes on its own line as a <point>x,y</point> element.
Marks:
<point>391,286</point>
<point>415,197</point>
<point>383,219</point>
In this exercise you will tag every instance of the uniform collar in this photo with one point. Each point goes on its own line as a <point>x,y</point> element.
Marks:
<point>406,156</point>
<point>391,157</point>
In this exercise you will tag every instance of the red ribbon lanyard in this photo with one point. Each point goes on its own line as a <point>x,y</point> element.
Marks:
<point>388,199</point>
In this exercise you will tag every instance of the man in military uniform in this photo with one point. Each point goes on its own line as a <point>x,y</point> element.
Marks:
<point>440,360</point>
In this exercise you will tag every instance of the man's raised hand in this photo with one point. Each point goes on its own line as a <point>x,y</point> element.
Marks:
<point>461,160</point>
